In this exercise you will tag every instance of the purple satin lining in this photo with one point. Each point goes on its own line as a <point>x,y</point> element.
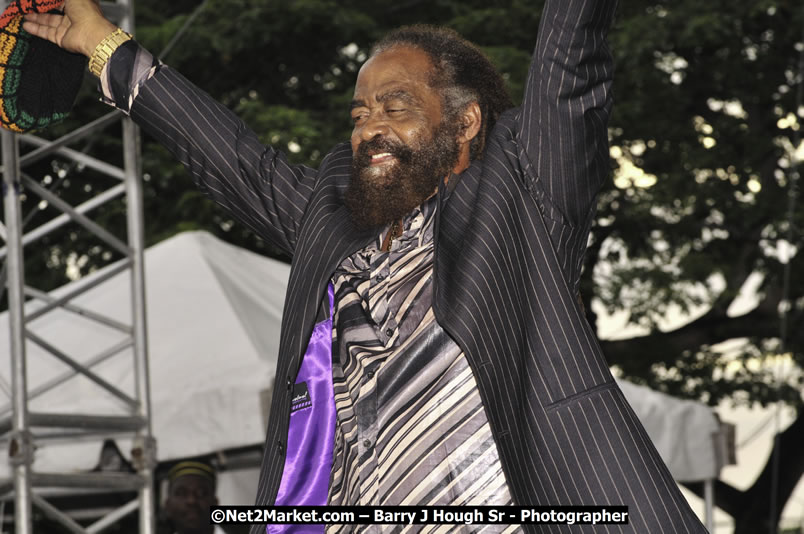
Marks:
<point>305,479</point>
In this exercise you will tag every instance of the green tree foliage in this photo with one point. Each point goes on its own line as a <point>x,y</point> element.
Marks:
<point>706,119</point>
<point>706,106</point>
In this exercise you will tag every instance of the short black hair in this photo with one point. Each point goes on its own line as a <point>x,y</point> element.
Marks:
<point>462,72</point>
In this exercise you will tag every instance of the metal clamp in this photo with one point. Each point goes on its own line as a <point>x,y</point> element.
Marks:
<point>20,448</point>
<point>143,453</point>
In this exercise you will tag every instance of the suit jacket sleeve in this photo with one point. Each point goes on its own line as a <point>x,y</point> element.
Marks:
<point>564,115</point>
<point>225,158</point>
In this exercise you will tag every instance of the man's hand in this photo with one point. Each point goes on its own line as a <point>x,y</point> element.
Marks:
<point>80,29</point>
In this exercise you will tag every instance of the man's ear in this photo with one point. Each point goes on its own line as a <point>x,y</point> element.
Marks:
<point>469,126</point>
<point>471,119</point>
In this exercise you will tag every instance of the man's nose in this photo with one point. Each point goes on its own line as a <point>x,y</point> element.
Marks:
<point>373,127</point>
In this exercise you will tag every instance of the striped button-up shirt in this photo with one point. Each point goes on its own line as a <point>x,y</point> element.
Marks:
<point>411,425</point>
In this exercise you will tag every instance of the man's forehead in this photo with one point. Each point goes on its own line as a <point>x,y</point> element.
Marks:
<point>392,93</point>
<point>400,65</point>
<point>191,481</point>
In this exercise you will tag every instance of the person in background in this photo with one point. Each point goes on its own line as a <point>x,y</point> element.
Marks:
<point>191,492</point>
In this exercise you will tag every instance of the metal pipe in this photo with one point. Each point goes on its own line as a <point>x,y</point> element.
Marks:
<point>112,517</point>
<point>63,219</point>
<point>81,369</point>
<point>57,515</point>
<point>113,270</point>
<point>114,11</point>
<point>79,157</point>
<point>80,218</point>
<point>60,379</point>
<point>117,481</point>
<point>72,436</point>
<point>88,129</point>
<point>79,310</point>
<point>90,428</point>
<point>20,453</point>
<point>145,443</point>
<point>136,236</point>
<point>114,423</point>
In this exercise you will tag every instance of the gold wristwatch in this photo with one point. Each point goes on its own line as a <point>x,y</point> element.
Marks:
<point>105,49</point>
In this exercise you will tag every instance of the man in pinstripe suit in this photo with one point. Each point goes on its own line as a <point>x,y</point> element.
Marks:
<point>432,349</point>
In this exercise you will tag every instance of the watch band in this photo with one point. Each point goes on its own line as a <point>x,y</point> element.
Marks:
<point>105,49</point>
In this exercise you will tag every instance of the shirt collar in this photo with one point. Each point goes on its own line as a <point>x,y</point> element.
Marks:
<point>417,229</point>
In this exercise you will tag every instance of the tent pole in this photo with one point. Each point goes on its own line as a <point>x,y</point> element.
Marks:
<point>20,452</point>
<point>709,503</point>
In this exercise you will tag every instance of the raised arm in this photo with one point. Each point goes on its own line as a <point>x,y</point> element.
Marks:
<point>225,158</point>
<point>564,116</point>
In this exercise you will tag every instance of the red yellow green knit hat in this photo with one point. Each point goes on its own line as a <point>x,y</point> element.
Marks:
<point>38,80</point>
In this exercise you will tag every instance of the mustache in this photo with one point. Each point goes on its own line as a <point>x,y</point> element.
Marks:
<point>362,157</point>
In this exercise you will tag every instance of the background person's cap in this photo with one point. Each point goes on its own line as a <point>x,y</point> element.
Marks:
<point>196,468</point>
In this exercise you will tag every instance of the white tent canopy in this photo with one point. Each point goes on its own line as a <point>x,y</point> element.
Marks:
<point>213,326</point>
<point>683,431</point>
<point>213,314</point>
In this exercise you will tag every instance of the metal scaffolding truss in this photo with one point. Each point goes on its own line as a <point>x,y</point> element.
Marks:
<point>22,428</point>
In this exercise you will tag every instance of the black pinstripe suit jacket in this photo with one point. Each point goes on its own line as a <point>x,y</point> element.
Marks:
<point>510,239</point>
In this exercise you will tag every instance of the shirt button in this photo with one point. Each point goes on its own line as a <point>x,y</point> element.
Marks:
<point>279,446</point>
<point>290,384</point>
<point>367,443</point>
<point>370,375</point>
<point>389,332</point>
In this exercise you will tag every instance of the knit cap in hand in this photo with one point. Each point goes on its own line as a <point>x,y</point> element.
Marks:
<point>38,80</point>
